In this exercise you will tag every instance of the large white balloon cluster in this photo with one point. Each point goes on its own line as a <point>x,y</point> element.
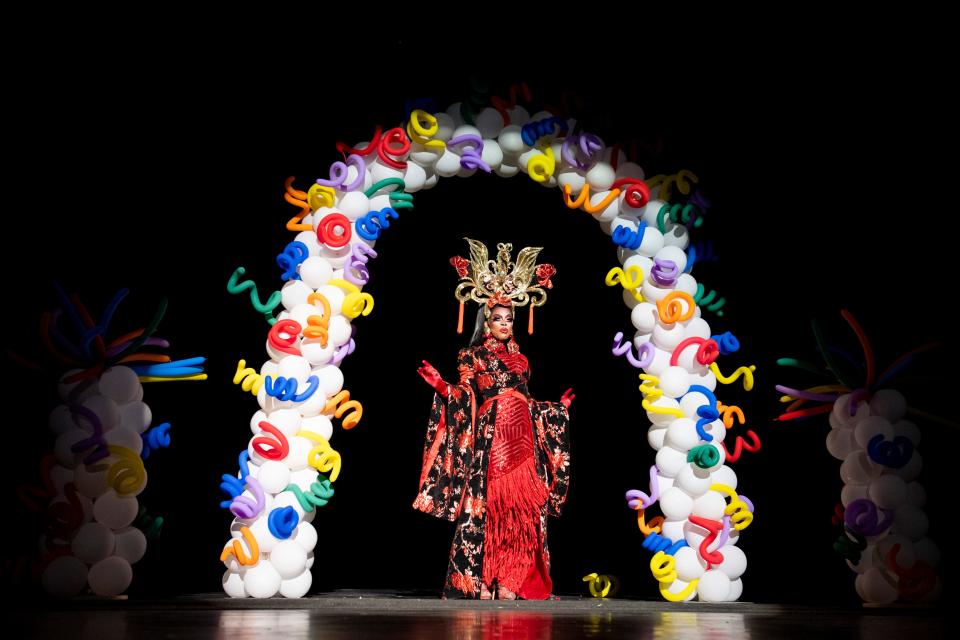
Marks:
<point>885,527</point>
<point>97,474</point>
<point>326,266</point>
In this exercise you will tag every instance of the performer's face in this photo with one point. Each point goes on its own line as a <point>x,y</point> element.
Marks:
<point>501,323</point>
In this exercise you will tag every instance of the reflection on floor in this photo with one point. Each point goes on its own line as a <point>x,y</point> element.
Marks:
<point>374,615</point>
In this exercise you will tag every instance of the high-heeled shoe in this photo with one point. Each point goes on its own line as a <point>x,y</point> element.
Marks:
<point>505,594</point>
<point>485,593</point>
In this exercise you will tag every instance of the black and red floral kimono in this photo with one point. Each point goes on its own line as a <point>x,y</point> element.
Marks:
<point>495,460</point>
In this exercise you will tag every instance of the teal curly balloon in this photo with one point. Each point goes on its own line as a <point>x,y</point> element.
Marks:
<point>678,213</point>
<point>704,456</point>
<point>398,199</point>
<point>318,496</point>
<point>707,301</point>
<point>236,287</point>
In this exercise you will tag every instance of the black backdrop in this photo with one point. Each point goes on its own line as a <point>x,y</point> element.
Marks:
<point>825,196</point>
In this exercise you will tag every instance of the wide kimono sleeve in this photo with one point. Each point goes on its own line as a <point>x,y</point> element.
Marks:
<point>448,448</point>
<point>551,421</point>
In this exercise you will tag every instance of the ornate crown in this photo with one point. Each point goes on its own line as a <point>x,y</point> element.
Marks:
<point>503,281</point>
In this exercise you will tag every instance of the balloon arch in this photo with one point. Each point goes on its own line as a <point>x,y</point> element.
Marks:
<point>289,467</point>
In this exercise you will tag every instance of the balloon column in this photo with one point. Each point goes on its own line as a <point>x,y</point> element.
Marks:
<point>289,466</point>
<point>94,527</point>
<point>882,525</point>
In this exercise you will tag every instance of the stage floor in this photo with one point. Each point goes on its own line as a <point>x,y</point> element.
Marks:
<point>371,615</point>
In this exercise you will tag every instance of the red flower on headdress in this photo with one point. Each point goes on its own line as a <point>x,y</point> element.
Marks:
<point>544,273</point>
<point>460,264</point>
<point>498,299</point>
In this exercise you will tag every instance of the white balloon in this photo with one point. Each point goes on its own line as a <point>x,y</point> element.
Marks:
<point>110,577</point>
<point>694,481</point>
<point>125,437</point>
<point>910,521</point>
<point>286,420</point>
<point>714,586</point>
<point>136,415</point>
<point>670,461</point>
<point>725,475</point>
<point>299,450</point>
<point>888,491</point>
<point>674,503</point>
<point>889,404</point>
<point>106,409</point>
<point>298,586</point>
<point>315,272</point>
<point>870,427</point>
<point>330,379</point>
<point>261,581</point>
<point>857,468</point>
<point>736,590</point>
<point>668,336</point>
<point>289,559</point>
<point>233,584</point>
<point>688,564</point>
<point>874,587</point>
<point>682,435</point>
<point>339,331</point>
<point>334,296</point>
<point>353,204</point>
<point>674,381</point>
<point>674,254</point>
<point>120,384</point>
<point>115,511</point>
<point>601,176</point>
<point>131,544</point>
<point>655,436</point>
<point>319,424</point>
<point>852,492</point>
<point>64,577</point>
<point>644,317</point>
<point>93,542</point>
<point>734,562</point>
<point>305,535</point>
<point>710,506</point>
<point>274,476</point>
<point>841,443</point>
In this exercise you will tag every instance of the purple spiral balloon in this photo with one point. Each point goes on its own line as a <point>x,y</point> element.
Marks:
<point>246,507</point>
<point>665,272</point>
<point>862,516</point>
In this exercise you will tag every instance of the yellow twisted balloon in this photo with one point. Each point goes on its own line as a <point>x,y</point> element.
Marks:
<point>322,457</point>
<point>746,372</point>
<point>631,280</point>
<point>739,512</point>
<point>541,166</point>
<point>422,127</point>
<point>247,378</point>
<point>651,393</point>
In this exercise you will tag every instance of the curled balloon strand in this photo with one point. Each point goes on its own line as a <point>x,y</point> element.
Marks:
<point>583,199</point>
<point>636,194</point>
<point>284,389</point>
<point>657,543</point>
<point>740,509</point>
<point>298,199</point>
<point>646,528</point>
<point>704,455</point>
<point>729,412</point>
<point>587,144</point>
<point>727,342</point>
<point>534,131</point>
<point>471,156</point>
<point>334,230</point>
<point>631,280</point>
<point>740,445</point>
<point>126,475</point>
<point>651,393</point>
<point>637,499</point>
<point>422,127</point>
<point>370,225</point>
<point>676,306</point>
<point>359,256</point>
<point>374,145</point>
<point>156,438</point>
<point>850,549</point>
<point>236,287</point>
<point>745,372</point>
<point>894,454</point>
<point>601,586</point>
<point>340,404</point>
<point>339,171</point>
<point>685,213</point>
<point>283,336</point>
<point>393,143</point>
<point>318,496</point>
<point>344,350</point>
<point>628,238</point>
<point>913,582</point>
<point>644,353</point>
<point>246,507</point>
<point>247,378</point>
<point>235,549</point>
<point>272,448</point>
<point>398,199</point>
<point>540,167</point>
<point>282,522</point>
<point>149,525</point>
<point>863,517</point>
<point>665,272</point>
<point>706,301</point>
<point>318,196</point>
<point>291,258</point>
<point>714,527</point>
<point>707,351</point>
<point>681,180</point>
<point>322,456</point>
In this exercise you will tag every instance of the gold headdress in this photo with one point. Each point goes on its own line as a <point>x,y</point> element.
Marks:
<point>503,281</point>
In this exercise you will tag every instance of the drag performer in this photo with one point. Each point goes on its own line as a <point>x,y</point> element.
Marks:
<point>495,460</point>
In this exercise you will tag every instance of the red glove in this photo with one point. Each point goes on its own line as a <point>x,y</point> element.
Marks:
<point>567,398</point>
<point>432,376</point>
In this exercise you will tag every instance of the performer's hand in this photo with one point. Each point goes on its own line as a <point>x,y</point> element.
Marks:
<point>567,398</point>
<point>432,376</point>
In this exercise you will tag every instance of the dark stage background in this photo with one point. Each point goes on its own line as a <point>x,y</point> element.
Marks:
<point>825,195</point>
